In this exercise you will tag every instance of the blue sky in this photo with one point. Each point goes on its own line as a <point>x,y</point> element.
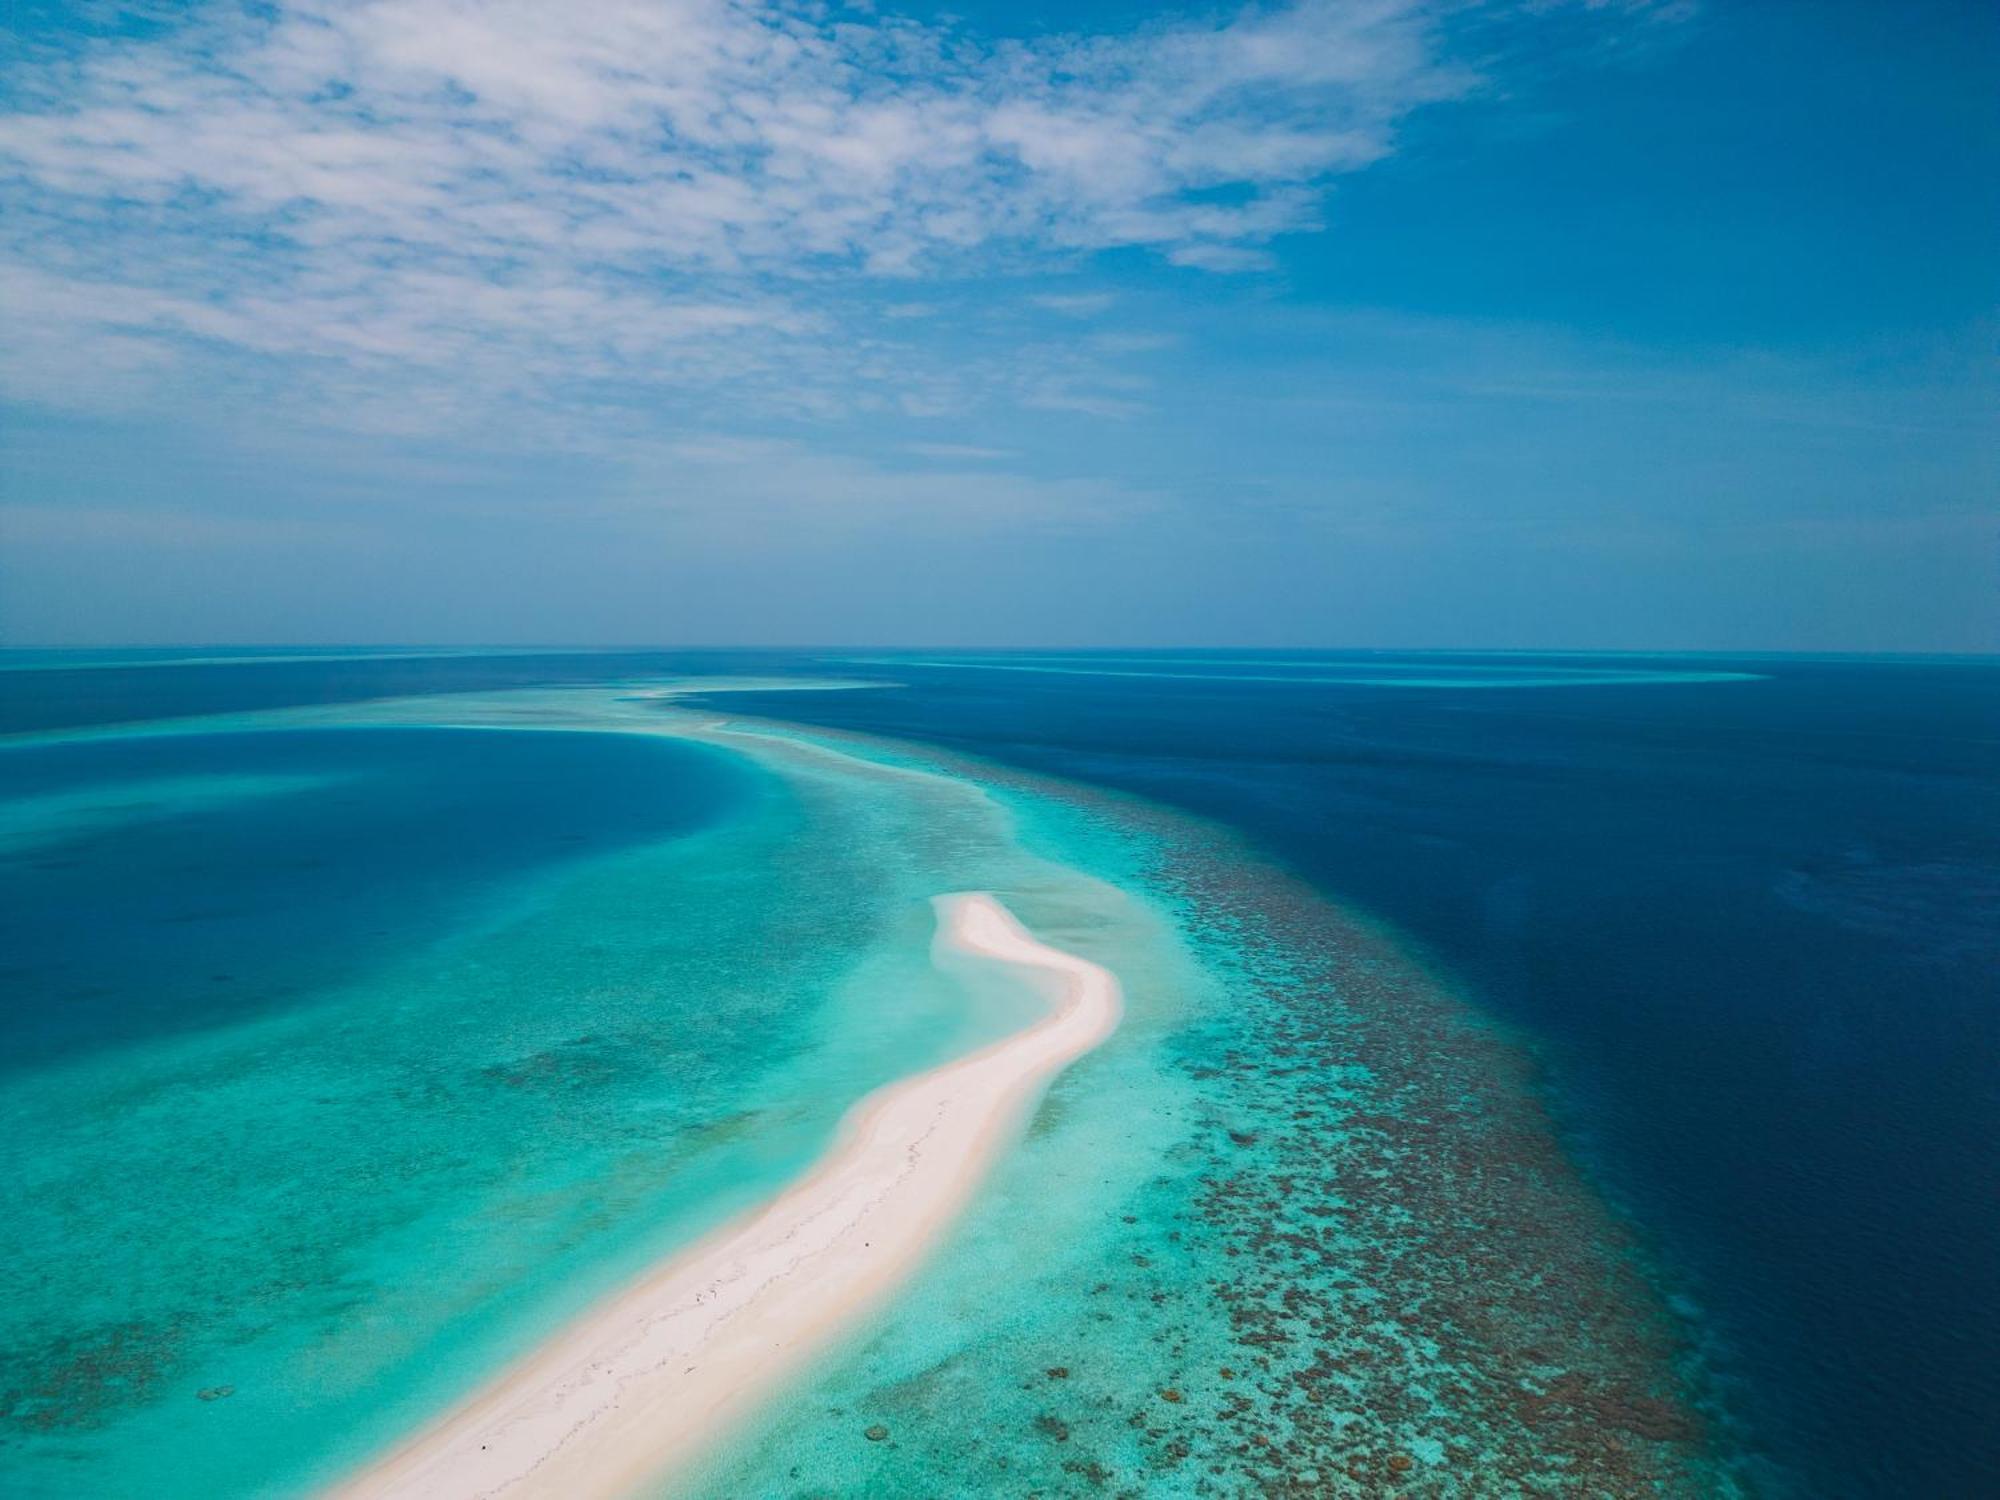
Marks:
<point>1378,323</point>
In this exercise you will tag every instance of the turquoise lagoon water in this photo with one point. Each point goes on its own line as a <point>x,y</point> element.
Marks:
<point>344,1060</point>
<point>351,1049</point>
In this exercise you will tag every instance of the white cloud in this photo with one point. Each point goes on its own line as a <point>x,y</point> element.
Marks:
<point>762,493</point>
<point>1075,304</point>
<point>1207,255</point>
<point>131,528</point>
<point>957,451</point>
<point>515,198</point>
<point>1132,341</point>
<point>1058,395</point>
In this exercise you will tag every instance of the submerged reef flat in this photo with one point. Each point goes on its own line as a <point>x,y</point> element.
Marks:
<point>1426,1293</point>
<point>1302,1227</point>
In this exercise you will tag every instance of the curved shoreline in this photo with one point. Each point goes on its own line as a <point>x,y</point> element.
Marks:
<point>652,1377</point>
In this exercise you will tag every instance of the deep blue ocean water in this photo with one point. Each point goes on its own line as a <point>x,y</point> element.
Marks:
<point>1750,916</point>
<point>366,841</point>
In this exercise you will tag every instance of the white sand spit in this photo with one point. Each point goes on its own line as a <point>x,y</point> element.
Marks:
<point>655,1375</point>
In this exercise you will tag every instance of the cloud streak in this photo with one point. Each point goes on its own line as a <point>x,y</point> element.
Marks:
<point>646,193</point>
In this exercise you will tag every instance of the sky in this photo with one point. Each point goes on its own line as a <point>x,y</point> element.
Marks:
<point>1334,323</point>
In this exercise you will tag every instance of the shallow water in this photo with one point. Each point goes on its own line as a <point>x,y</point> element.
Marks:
<point>351,1046</point>
<point>505,1015</point>
<point>512,1006</point>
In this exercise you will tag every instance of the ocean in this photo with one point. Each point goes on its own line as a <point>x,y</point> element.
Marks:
<point>1552,1074</point>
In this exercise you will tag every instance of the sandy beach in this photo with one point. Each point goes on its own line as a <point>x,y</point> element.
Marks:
<point>645,1382</point>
